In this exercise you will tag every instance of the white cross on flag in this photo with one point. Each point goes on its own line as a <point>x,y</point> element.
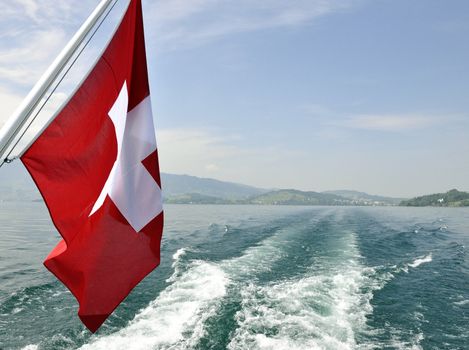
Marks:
<point>96,165</point>
<point>130,186</point>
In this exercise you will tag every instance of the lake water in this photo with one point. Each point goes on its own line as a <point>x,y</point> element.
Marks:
<point>257,277</point>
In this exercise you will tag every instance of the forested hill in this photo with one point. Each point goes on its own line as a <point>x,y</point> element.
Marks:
<point>295,197</point>
<point>176,186</point>
<point>453,198</point>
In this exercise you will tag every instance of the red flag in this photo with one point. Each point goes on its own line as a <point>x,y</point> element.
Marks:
<point>96,166</point>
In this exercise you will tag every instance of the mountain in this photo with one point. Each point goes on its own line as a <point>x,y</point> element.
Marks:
<point>16,185</point>
<point>295,197</point>
<point>452,198</point>
<point>363,197</point>
<point>175,185</point>
<point>277,197</point>
<point>196,198</point>
<point>185,188</point>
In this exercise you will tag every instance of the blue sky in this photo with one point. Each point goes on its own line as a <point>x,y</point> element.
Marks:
<point>315,95</point>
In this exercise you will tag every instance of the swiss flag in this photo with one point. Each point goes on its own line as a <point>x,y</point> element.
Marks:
<point>96,165</point>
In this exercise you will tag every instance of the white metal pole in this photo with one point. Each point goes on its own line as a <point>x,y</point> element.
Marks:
<point>20,116</point>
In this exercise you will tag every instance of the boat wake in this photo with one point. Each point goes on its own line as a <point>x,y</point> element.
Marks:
<point>325,308</point>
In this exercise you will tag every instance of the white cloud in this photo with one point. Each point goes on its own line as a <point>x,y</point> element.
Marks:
<point>212,167</point>
<point>30,7</point>
<point>338,124</point>
<point>32,34</point>
<point>9,103</point>
<point>171,11</point>
<point>181,24</point>
<point>24,64</point>
<point>391,122</point>
<point>44,12</point>
<point>194,151</point>
<point>388,122</point>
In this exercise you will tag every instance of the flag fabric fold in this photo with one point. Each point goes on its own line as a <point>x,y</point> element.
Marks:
<point>96,166</point>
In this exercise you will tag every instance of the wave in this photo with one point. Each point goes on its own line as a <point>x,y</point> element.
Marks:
<point>413,344</point>
<point>300,283</point>
<point>175,319</point>
<point>317,312</point>
<point>39,297</point>
<point>462,302</point>
<point>387,273</point>
<point>256,259</point>
<point>180,252</point>
<point>322,310</point>
<point>421,260</point>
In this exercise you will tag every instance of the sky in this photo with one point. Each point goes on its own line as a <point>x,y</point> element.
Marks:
<point>368,95</point>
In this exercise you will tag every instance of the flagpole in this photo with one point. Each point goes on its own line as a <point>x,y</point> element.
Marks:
<point>14,124</point>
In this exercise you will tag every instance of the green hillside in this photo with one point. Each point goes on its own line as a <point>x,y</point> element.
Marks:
<point>453,198</point>
<point>176,185</point>
<point>295,197</point>
<point>196,198</point>
<point>362,197</point>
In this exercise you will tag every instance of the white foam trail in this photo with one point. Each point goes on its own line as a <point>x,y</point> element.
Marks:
<point>414,344</point>
<point>175,319</point>
<point>255,259</point>
<point>180,252</point>
<point>422,260</point>
<point>387,276</point>
<point>320,311</point>
<point>177,265</point>
<point>31,347</point>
